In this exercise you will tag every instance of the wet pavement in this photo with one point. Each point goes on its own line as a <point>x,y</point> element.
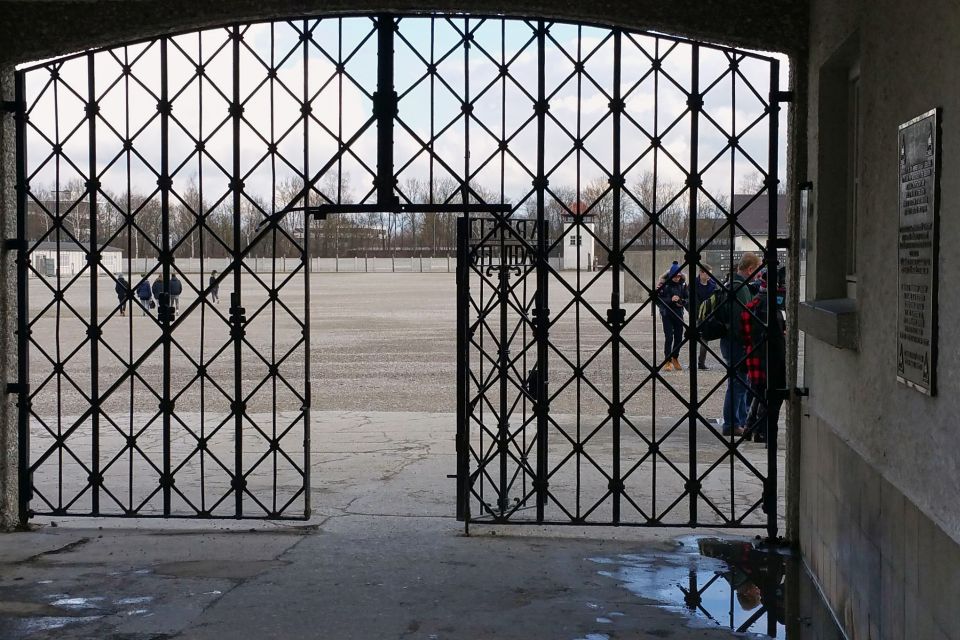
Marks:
<point>363,577</point>
<point>381,558</point>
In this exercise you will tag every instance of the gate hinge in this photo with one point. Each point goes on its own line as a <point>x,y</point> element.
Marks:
<point>11,106</point>
<point>14,244</point>
<point>781,243</point>
<point>801,392</point>
<point>15,388</point>
<point>781,96</point>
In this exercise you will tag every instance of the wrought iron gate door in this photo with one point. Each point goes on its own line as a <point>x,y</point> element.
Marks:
<point>142,174</point>
<point>645,151</point>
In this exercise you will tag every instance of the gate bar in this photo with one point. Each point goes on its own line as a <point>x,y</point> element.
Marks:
<point>385,109</point>
<point>542,310</point>
<point>695,103</point>
<point>463,368</point>
<point>772,395</point>
<point>616,315</point>
<point>24,477</point>
<point>236,310</point>
<point>93,263</point>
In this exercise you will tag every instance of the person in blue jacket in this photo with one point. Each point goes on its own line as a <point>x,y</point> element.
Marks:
<point>176,288</point>
<point>672,299</point>
<point>144,294</point>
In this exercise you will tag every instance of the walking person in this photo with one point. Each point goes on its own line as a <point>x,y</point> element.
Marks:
<point>705,287</point>
<point>214,288</point>
<point>176,288</point>
<point>672,299</point>
<point>145,295</point>
<point>763,339</point>
<point>123,293</point>
<point>159,292</point>
<point>731,346</point>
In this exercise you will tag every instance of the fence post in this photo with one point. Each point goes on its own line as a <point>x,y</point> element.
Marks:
<point>448,263</point>
<point>393,263</point>
<point>365,268</point>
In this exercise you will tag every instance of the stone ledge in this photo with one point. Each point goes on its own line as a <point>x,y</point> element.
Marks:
<point>831,321</point>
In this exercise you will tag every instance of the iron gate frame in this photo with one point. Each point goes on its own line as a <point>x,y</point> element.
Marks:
<point>387,198</point>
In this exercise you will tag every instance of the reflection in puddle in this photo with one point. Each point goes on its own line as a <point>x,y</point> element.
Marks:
<point>716,582</point>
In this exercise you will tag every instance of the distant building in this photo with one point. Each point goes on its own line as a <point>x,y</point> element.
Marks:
<point>70,258</point>
<point>578,239</point>
<point>753,217</point>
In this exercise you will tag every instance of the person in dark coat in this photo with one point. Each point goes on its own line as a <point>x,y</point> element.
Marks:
<point>705,287</point>
<point>671,299</point>
<point>214,287</point>
<point>144,294</point>
<point>159,291</point>
<point>123,291</point>
<point>176,288</point>
<point>756,333</point>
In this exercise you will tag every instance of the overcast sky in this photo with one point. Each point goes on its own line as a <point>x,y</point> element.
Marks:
<point>272,107</point>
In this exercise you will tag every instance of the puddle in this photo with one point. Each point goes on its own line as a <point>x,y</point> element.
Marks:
<point>729,584</point>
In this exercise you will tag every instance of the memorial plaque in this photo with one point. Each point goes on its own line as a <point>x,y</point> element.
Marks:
<point>918,144</point>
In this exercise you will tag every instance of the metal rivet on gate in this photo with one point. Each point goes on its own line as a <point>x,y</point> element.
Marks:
<point>200,69</point>
<point>275,444</point>
<point>128,145</point>
<point>654,448</point>
<point>466,108</point>
<point>57,149</point>
<point>126,69</point>
<point>732,141</point>
<point>579,67</point>
<point>431,69</point>
<point>200,146</point>
<point>341,67</point>
<point>271,148</point>
<point>306,109</point>
<point>655,142</point>
<point>271,73</point>
<point>656,65</point>
<point>54,74</point>
<point>504,70</point>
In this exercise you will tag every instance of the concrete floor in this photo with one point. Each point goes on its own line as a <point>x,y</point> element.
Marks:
<point>381,558</point>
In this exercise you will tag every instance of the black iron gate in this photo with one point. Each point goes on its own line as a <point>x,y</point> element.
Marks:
<point>571,412</point>
<point>565,150</point>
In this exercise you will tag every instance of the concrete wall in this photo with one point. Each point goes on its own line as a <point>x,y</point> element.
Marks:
<point>33,29</point>
<point>8,313</point>
<point>880,468</point>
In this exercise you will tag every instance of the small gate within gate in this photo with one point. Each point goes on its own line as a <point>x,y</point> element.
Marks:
<point>580,160</point>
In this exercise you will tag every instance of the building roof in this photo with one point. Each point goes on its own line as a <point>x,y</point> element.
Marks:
<point>70,245</point>
<point>753,217</point>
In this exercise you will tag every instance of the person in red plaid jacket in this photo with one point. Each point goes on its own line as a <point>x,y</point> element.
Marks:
<point>756,331</point>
